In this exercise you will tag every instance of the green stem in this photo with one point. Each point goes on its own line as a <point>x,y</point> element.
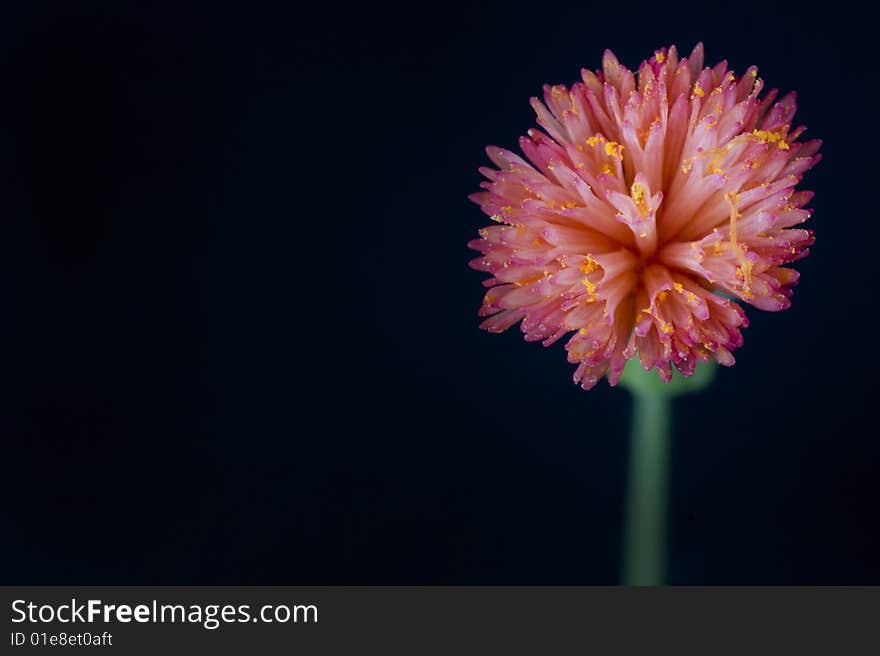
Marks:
<point>644,547</point>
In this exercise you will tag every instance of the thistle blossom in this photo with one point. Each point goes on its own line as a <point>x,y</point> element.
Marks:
<point>649,205</point>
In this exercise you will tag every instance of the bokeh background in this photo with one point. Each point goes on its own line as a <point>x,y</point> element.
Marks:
<point>239,339</point>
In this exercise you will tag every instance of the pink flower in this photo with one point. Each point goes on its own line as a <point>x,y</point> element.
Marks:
<point>646,197</point>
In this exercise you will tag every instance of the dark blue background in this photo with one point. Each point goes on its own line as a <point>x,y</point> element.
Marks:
<point>239,340</point>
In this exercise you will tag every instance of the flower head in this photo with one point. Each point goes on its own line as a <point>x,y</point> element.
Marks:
<point>648,206</point>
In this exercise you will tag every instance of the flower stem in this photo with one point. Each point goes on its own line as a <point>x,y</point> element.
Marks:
<point>644,546</point>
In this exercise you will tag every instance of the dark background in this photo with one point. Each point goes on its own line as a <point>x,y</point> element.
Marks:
<point>239,337</point>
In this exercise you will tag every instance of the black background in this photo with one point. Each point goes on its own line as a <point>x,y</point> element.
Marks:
<point>239,335</point>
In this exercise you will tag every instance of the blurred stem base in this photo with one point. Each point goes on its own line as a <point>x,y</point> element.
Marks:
<point>644,541</point>
<point>645,546</point>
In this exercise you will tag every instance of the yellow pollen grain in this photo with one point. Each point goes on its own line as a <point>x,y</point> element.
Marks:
<point>678,287</point>
<point>485,233</point>
<point>613,149</point>
<point>592,141</point>
<point>579,165</point>
<point>591,289</point>
<point>765,136</point>
<point>666,327</point>
<point>589,265</point>
<point>582,331</point>
<point>606,168</point>
<point>698,90</point>
<point>640,198</point>
<point>659,56</point>
<point>745,266</point>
